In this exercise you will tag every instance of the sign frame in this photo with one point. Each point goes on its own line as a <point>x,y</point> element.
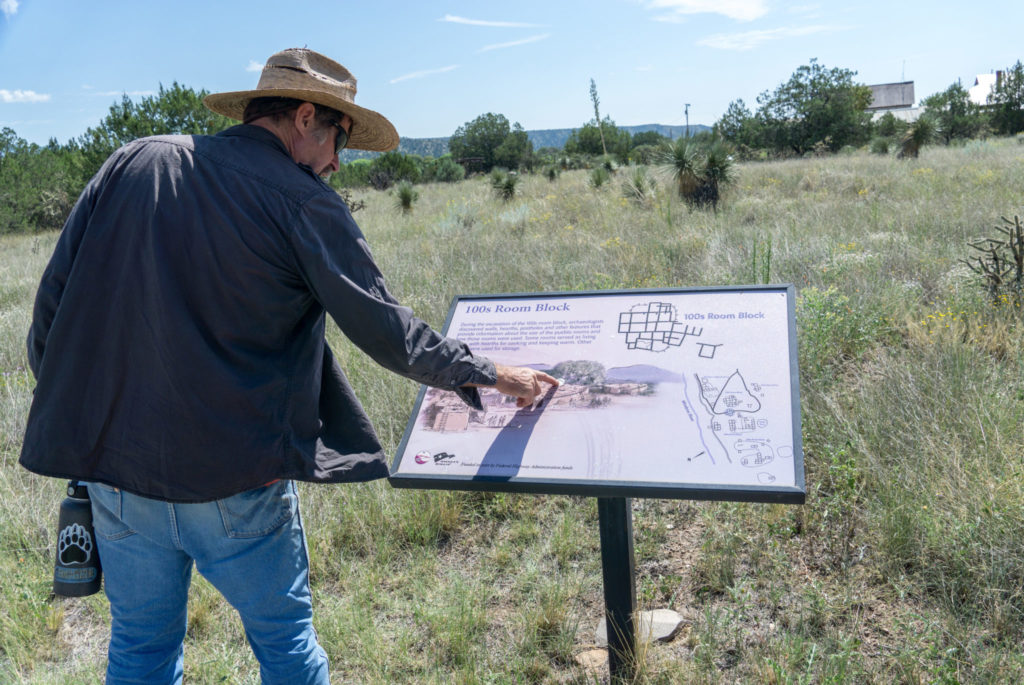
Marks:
<point>795,494</point>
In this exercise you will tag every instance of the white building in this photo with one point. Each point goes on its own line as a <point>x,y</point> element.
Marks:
<point>984,85</point>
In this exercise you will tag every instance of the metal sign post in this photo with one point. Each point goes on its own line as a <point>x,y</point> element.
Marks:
<point>615,521</point>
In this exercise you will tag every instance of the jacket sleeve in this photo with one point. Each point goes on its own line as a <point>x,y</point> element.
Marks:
<point>336,263</point>
<point>55,276</point>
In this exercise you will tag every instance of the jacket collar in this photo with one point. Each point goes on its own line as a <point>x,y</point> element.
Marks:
<point>257,133</point>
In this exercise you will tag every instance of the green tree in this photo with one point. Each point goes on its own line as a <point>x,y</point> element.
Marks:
<point>889,126</point>
<point>647,138</point>
<point>38,184</point>
<point>1007,101</point>
<point>816,105</point>
<point>515,151</point>
<point>175,110</point>
<point>588,140</point>
<point>954,114</point>
<point>739,126</point>
<point>482,137</point>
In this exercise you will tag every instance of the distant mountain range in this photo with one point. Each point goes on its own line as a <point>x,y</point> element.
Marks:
<point>641,373</point>
<point>551,137</point>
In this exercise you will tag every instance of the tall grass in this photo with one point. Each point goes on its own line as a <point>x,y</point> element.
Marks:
<point>905,565</point>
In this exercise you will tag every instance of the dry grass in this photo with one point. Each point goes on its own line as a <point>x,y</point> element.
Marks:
<point>905,565</point>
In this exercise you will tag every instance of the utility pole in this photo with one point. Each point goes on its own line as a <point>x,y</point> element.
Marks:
<point>687,119</point>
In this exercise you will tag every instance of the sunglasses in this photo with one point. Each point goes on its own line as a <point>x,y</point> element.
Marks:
<point>341,139</point>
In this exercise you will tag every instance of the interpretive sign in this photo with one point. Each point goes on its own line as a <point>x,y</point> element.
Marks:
<point>678,393</point>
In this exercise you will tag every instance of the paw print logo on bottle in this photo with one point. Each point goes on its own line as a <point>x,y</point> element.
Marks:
<point>74,545</point>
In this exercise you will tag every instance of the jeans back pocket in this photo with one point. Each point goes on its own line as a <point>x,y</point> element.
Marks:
<point>106,512</point>
<point>259,512</point>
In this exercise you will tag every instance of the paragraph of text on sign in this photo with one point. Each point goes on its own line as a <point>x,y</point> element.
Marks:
<point>509,336</point>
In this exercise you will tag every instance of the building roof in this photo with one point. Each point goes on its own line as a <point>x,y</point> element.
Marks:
<point>984,84</point>
<point>891,96</point>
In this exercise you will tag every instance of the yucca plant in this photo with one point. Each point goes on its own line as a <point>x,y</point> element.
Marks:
<point>639,186</point>
<point>504,183</point>
<point>679,161</point>
<point>405,196</point>
<point>920,133</point>
<point>716,172</point>
<point>700,173</point>
<point>599,176</point>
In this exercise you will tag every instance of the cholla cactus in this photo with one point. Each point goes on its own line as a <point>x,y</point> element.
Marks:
<point>1001,263</point>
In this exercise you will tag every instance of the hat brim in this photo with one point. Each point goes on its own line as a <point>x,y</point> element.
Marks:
<point>370,130</point>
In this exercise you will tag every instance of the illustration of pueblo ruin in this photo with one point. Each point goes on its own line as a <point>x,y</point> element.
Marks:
<point>585,385</point>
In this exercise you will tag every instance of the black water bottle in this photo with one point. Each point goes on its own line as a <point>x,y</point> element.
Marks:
<point>77,572</point>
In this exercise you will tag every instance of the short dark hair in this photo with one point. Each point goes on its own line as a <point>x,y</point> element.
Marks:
<point>283,108</point>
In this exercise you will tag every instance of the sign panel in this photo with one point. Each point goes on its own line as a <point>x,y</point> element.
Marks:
<point>680,393</point>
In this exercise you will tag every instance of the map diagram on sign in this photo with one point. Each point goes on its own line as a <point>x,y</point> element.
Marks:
<point>653,327</point>
<point>695,389</point>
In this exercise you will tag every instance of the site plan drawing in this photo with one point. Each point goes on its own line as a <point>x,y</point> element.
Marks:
<point>669,393</point>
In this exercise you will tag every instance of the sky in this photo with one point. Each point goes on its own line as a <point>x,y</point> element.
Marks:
<point>430,67</point>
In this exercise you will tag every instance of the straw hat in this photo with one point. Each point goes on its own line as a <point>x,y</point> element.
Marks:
<point>306,75</point>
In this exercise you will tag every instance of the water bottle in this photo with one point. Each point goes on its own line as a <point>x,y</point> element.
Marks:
<point>77,572</point>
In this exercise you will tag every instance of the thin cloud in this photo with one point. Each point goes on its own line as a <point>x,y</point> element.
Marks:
<point>645,67</point>
<point>7,96</point>
<point>9,7</point>
<point>483,22</point>
<point>748,40</point>
<point>740,10</point>
<point>254,66</point>
<point>130,93</point>
<point>424,72</point>
<point>514,43</point>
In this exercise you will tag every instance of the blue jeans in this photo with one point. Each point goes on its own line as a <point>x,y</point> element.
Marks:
<point>250,546</point>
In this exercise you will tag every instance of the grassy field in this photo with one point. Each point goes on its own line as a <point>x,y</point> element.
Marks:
<point>906,565</point>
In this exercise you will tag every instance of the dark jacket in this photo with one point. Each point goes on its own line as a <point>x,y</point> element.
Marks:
<point>178,331</point>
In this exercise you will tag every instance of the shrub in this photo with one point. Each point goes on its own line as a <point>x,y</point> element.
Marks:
<point>353,174</point>
<point>392,167</point>
<point>405,196</point>
<point>880,146</point>
<point>379,180</point>
<point>445,170</point>
<point>644,154</point>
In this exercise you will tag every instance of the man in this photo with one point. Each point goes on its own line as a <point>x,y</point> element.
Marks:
<point>178,345</point>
